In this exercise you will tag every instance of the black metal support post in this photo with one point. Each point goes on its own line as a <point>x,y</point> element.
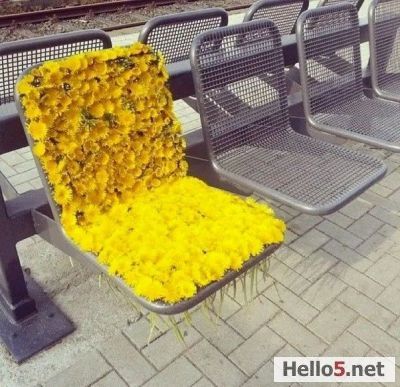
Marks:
<point>29,320</point>
<point>14,298</point>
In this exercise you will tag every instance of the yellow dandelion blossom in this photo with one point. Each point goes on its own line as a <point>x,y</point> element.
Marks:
<point>32,110</point>
<point>73,63</point>
<point>111,148</point>
<point>62,195</point>
<point>25,86</point>
<point>100,68</point>
<point>50,165</point>
<point>37,130</point>
<point>91,213</point>
<point>97,110</point>
<point>39,149</point>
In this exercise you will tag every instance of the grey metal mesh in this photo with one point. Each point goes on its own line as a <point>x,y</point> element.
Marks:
<point>173,35</point>
<point>332,57</point>
<point>240,86</point>
<point>330,62</point>
<point>385,47</point>
<point>283,13</point>
<point>355,3</point>
<point>32,51</point>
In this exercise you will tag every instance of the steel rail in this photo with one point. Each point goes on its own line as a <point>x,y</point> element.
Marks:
<point>140,23</point>
<point>74,12</point>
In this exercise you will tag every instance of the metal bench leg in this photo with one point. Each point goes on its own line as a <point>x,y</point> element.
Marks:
<point>29,320</point>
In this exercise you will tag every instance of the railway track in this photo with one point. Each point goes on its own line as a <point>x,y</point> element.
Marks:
<point>74,12</point>
<point>77,11</point>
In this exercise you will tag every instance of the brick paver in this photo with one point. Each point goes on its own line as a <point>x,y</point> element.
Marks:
<point>254,315</point>
<point>257,350</point>
<point>367,308</point>
<point>126,360</point>
<point>211,362</point>
<point>95,368</point>
<point>111,379</point>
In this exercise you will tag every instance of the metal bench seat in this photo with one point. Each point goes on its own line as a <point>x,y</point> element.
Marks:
<point>384,33</point>
<point>240,87</point>
<point>48,225</point>
<point>16,56</point>
<point>173,34</point>
<point>369,120</point>
<point>389,88</point>
<point>356,3</point>
<point>331,77</point>
<point>300,171</point>
<point>283,13</point>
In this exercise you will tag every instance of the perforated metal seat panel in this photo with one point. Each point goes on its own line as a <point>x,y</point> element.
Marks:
<point>240,87</point>
<point>173,35</point>
<point>384,31</point>
<point>283,13</point>
<point>382,120</point>
<point>355,3</point>
<point>330,67</point>
<point>15,57</point>
<point>310,172</point>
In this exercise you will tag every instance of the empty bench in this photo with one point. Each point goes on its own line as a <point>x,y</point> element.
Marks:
<point>384,31</point>
<point>335,102</point>
<point>240,86</point>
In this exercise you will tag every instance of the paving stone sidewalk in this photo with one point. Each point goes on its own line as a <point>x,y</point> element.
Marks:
<point>333,289</point>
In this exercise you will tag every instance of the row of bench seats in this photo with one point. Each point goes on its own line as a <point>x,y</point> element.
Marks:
<point>240,87</point>
<point>159,32</point>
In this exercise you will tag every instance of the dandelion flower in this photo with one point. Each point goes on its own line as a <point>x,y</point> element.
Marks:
<point>62,195</point>
<point>39,149</point>
<point>37,129</point>
<point>111,148</point>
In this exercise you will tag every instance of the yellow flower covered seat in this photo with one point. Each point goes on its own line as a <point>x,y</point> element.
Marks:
<point>102,129</point>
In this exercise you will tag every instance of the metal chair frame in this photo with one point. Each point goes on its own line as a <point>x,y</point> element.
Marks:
<point>152,32</point>
<point>384,29</point>
<point>356,3</point>
<point>338,103</point>
<point>16,56</point>
<point>49,227</point>
<point>284,13</point>
<point>156,32</point>
<point>269,9</point>
<point>29,320</point>
<point>243,106</point>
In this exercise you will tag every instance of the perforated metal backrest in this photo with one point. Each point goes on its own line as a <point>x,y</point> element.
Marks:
<point>283,13</point>
<point>240,85</point>
<point>384,25</point>
<point>15,57</point>
<point>328,41</point>
<point>173,35</point>
<point>355,3</point>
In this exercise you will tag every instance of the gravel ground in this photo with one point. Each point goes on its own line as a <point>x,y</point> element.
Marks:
<point>123,16</point>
